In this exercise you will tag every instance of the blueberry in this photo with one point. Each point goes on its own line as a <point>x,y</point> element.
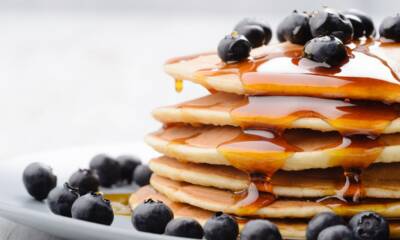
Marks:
<point>320,222</point>
<point>295,28</point>
<point>255,34</point>
<point>39,180</point>
<point>253,21</point>
<point>107,169</point>
<point>260,230</point>
<point>390,28</point>
<point>128,164</point>
<point>338,232</point>
<point>358,26</point>
<point>142,174</point>
<point>152,216</point>
<point>328,49</point>
<point>221,227</point>
<point>184,227</point>
<point>331,22</point>
<point>365,19</point>
<point>234,48</point>
<point>60,199</point>
<point>92,207</point>
<point>85,181</point>
<point>369,226</point>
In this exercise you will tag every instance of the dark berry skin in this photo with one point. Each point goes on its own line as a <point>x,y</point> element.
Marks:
<point>252,21</point>
<point>330,22</point>
<point>92,207</point>
<point>254,33</point>
<point>142,174</point>
<point>221,227</point>
<point>260,230</point>
<point>390,28</point>
<point>327,49</point>
<point>369,226</point>
<point>234,48</point>
<point>295,28</point>
<point>358,26</point>
<point>60,200</point>
<point>39,180</point>
<point>85,181</point>
<point>151,216</point>
<point>128,165</point>
<point>107,169</point>
<point>365,19</point>
<point>338,232</point>
<point>184,227</point>
<point>320,222</point>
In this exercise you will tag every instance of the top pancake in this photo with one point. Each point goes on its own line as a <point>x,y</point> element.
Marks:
<point>372,73</point>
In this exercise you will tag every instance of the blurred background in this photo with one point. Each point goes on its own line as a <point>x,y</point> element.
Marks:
<point>83,72</point>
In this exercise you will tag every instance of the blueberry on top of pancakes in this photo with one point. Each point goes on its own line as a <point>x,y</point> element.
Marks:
<point>331,22</point>
<point>390,28</point>
<point>327,49</point>
<point>234,48</point>
<point>358,26</point>
<point>369,29</point>
<point>254,33</point>
<point>295,28</point>
<point>255,22</point>
<point>370,226</point>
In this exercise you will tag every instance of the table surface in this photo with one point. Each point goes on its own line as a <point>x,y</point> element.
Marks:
<point>75,78</point>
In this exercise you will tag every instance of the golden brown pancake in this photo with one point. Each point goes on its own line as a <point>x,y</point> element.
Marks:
<point>289,228</point>
<point>378,181</point>
<point>284,112</point>
<point>219,200</point>
<point>262,151</point>
<point>280,70</point>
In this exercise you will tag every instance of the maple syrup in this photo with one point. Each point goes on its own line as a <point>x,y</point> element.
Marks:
<point>119,203</point>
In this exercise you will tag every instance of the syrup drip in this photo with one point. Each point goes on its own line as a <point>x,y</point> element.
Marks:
<point>178,85</point>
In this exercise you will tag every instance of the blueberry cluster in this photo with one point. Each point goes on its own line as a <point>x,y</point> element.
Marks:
<point>156,217</point>
<point>365,225</point>
<point>79,197</point>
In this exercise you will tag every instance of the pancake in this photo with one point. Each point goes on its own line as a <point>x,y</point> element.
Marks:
<point>282,112</point>
<point>290,229</point>
<point>218,200</point>
<point>262,151</point>
<point>279,70</point>
<point>378,181</point>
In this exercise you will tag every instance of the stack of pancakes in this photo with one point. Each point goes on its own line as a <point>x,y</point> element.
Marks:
<point>282,138</point>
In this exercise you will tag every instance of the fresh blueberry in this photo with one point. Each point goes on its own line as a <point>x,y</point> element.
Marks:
<point>221,227</point>
<point>338,232</point>
<point>142,174</point>
<point>327,49</point>
<point>184,227</point>
<point>254,33</point>
<point>107,169</point>
<point>369,226</point>
<point>128,164</point>
<point>295,28</point>
<point>331,22</point>
<point>92,207</point>
<point>60,199</point>
<point>234,48</point>
<point>39,180</point>
<point>259,229</point>
<point>358,26</point>
<point>253,21</point>
<point>85,181</point>
<point>152,216</point>
<point>390,28</point>
<point>365,19</point>
<point>320,222</point>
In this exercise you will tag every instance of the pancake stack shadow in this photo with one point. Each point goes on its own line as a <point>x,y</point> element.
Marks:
<point>278,140</point>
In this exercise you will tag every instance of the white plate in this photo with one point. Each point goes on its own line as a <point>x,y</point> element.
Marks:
<point>18,206</point>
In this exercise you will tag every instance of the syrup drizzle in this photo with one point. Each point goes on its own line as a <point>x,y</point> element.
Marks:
<point>178,85</point>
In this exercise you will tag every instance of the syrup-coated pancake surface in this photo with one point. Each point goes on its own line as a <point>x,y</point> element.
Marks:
<point>378,181</point>
<point>282,112</point>
<point>216,200</point>
<point>266,152</point>
<point>372,73</point>
<point>289,228</point>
